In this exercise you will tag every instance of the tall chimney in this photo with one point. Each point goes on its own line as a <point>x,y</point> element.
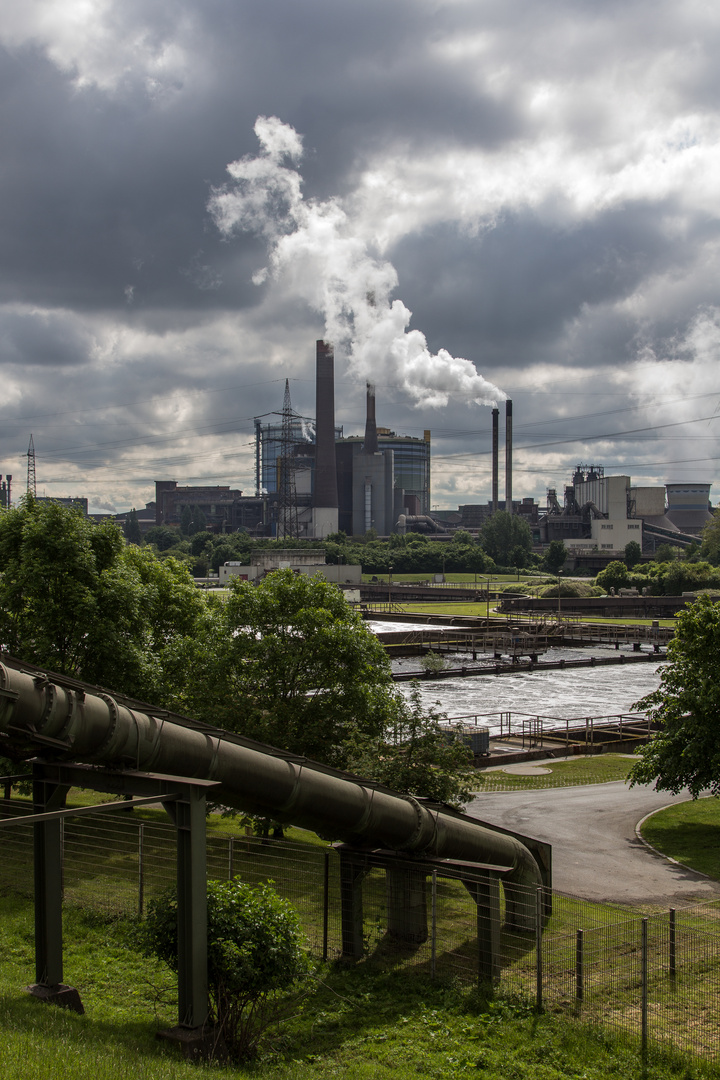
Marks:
<point>325,496</point>
<point>495,440</point>
<point>508,456</point>
<point>371,439</point>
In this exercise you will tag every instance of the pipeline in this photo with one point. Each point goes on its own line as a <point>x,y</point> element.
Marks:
<point>71,720</point>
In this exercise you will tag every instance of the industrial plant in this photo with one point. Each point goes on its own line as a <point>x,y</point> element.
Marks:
<point>312,481</point>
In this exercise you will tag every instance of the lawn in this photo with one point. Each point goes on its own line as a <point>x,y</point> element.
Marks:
<point>690,833</point>
<point>582,770</point>
<point>357,1023</point>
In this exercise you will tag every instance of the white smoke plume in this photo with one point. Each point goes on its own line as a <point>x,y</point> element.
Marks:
<point>314,249</point>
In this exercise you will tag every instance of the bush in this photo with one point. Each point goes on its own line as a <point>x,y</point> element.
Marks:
<point>255,954</point>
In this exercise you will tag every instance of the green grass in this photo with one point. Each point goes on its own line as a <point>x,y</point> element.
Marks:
<point>357,1023</point>
<point>596,769</point>
<point>690,833</point>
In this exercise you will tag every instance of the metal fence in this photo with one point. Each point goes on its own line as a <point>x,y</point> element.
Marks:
<point>657,977</point>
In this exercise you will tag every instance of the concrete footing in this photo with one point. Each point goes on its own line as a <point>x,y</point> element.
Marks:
<point>197,1044</point>
<point>61,994</point>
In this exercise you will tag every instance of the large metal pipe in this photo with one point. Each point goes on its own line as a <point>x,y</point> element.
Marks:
<point>495,446</point>
<point>84,724</point>
<point>508,456</point>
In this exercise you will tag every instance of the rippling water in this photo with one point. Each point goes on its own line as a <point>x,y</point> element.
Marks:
<point>577,692</point>
<point>580,692</point>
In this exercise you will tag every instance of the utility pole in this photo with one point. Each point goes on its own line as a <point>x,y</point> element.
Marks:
<point>31,481</point>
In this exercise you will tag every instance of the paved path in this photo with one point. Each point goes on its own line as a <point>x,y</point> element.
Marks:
<point>596,854</point>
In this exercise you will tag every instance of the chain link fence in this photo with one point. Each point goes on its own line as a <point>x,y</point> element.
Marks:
<point>657,976</point>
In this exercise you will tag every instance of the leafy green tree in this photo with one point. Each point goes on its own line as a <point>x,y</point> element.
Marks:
<point>75,598</point>
<point>555,556</point>
<point>198,521</point>
<point>201,543</point>
<point>686,750</point>
<point>256,955</point>
<point>290,663</point>
<point>614,576</point>
<point>502,533</point>
<point>420,757</point>
<point>186,520</point>
<point>710,543</point>
<point>132,529</point>
<point>633,554</point>
<point>665,553</point>
<point>163,537</point>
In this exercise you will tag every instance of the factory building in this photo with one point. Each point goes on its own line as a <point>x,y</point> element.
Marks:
<point>354,484</point>
<point>602,514</point>
<point>216,504</point>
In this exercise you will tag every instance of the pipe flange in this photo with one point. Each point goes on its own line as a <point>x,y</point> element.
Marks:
<point>114,714</point>
<point>425,829</point>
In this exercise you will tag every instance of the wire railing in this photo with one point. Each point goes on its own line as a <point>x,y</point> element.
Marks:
<point>657,977</point>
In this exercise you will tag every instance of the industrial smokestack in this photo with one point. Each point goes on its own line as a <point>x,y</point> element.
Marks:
<point>508,456</point>
<point>325,496</point>
<point>495,441</point>
<point>371,439</point>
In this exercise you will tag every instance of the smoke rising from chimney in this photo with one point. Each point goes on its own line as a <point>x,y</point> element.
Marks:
<point>315,250</point>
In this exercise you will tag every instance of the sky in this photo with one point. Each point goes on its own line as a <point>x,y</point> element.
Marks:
<point>472,199</point>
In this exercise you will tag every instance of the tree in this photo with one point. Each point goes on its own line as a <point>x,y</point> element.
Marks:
<point>710,545</point>
<point>186,520</point>
<point>665,553</point>
<point>132,529</point>
<point>420,757</point>
<point>75,598</point>
<point>503,532</point>
<point>198,521</point>
<point>614,576</point>
<point>290,663</point>
<point>255,954</point>
<point>163,537</point>
<point>686,750</point>
<point>633,554</point>
<point>555,556</point>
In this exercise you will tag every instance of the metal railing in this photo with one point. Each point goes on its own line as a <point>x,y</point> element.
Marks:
<point>656,977</point>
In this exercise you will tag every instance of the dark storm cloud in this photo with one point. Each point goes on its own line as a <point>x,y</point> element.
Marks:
<point>506,296</point>
<point>542,177</point>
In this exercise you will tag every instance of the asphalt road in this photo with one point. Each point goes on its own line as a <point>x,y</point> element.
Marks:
<point>596,853</point>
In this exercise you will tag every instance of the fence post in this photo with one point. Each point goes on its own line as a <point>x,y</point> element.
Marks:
<point>673,939</point>
<point>141,869</point>
<point>433,926</point>
<point>62,857</point>
<point>579,974</point>
<point>539,907</point>
<point>231,858</point>
<point>644,983</point>
<point>326,903</point>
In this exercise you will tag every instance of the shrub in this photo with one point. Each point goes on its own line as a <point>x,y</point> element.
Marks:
<point>255,954</point>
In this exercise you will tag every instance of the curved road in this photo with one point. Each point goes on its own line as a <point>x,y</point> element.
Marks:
<point>596,854</point>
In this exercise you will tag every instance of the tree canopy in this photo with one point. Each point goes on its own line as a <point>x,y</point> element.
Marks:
<point>686,750</point>
<point>288,662</point>
<point>555,556</point>
<point>502,534</point>
<point>75,598</point>
<point>710,546</point>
